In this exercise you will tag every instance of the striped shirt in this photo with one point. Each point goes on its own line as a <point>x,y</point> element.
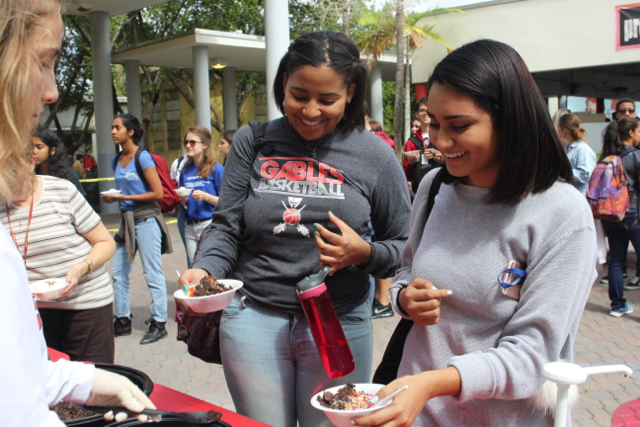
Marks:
<point>60,218</point>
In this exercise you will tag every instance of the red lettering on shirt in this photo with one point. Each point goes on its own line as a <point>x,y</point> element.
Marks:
<point>269,169</point>
<point>283,168</point>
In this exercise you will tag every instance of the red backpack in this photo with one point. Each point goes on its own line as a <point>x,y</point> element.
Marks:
<point>170,199</point>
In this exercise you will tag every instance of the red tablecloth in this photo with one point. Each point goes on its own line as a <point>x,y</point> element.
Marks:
<point>168,399</point>
<point>55,355</point>
<point>628,414</point>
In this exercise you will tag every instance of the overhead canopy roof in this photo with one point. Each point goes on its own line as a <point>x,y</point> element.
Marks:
<point>569,45</point>
<point>242,51</point>
<point>113,7</point>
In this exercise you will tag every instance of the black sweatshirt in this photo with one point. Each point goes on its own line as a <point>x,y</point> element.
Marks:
<point>263,236</point>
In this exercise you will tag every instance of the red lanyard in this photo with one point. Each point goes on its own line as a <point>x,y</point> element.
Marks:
<point>26,236</point>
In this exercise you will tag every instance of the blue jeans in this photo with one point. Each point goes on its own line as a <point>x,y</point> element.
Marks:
<point>192,233</point>
<point>182,221</point>
<point>149,244</point>
<point>271,364</point>
<point>619,234</point>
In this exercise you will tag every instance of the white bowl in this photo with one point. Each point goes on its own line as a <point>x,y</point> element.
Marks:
<point>210,303</point>
<point>411,153</point>
<point>48,289</point>
<point>342,418</point>
<point>183,191</point>
<point>112,191</point>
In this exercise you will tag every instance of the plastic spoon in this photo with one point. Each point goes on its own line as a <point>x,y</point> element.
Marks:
<point>198,418</point>
<point>388,399</point>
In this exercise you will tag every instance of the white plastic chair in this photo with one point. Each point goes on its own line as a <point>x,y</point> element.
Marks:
<point>566,374</point>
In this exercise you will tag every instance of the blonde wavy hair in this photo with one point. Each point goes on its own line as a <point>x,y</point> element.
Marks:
<point>208,154</point>
<point>18,18</point>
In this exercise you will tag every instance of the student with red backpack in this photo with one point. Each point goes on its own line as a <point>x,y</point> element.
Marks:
<point>620,139</point>
<point>142,228</point>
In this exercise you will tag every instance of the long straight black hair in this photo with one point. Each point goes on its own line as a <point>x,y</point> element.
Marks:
<point>530,153</point>
<point>57,160</point>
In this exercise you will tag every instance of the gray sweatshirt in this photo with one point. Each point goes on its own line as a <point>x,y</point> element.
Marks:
<point>498,344</point>
<point>263,234</point>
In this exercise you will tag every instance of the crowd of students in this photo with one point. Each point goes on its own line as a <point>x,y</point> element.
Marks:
<point>495,185</point>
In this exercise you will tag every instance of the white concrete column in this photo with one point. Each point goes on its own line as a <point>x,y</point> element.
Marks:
<point>276,30</point>
<point>201,86</point>
<point>553,103</point>
<point>134,95</point>
<point>229,102</point>
<point>375,95</point>
<point>562,103</point>
<point>103,101</point>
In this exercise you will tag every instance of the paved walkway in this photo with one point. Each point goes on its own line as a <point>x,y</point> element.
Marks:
<point>602,339</point>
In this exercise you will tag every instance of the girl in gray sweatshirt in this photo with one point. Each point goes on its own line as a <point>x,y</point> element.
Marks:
<point>476,351</point>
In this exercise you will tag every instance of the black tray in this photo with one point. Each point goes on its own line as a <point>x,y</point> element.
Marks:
<point>167,421</point>
<point>139,378</point>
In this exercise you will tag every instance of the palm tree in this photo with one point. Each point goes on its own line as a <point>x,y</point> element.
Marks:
<point>381,34</point>
<point>397,105</point>
<point>415,36</point>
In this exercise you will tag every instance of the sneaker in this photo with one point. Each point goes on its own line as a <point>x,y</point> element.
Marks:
<point>122,326</point>
<point>627,309</point>
<point>380,310</point>
<point>156,331</point>
<point>633,285</point>
<point>605,279</point>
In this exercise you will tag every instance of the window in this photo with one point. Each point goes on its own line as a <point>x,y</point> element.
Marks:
<point>174,132</point>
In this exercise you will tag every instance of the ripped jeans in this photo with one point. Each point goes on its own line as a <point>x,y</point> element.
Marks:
<point>271,364</point>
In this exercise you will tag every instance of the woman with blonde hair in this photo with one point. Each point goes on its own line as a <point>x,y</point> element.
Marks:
<point>30,39</point>
<point>203,175</point>
<point>581,156</point>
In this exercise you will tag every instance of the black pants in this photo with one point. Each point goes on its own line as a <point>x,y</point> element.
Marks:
<point>84,335</point>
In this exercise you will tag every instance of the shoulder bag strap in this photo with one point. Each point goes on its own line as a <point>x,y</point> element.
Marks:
<point>387,371</point>
<point>431,200</point>
<point>259,130</point>
<point>136,159</point>
<point>416,141</point>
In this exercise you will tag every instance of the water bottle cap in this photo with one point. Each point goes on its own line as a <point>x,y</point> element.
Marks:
<point>312,281</point>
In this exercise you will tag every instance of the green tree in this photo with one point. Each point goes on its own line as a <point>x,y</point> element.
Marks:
<point>415,36</point>
<point>397,105</point>
<point>380,33</point>
<point>166,20</point>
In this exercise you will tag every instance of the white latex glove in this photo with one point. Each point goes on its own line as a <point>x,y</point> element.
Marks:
<point>111,389</point>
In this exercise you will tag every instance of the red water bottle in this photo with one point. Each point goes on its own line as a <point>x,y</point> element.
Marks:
<point>324,324</point>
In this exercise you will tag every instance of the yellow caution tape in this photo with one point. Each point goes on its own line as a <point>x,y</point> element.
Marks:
<point>173,221</point>
<point>97,179</point>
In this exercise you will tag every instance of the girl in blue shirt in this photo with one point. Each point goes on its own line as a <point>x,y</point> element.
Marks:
<point>138,202</point>
<point>203,175</point>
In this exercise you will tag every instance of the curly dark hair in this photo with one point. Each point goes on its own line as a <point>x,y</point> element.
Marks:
<point>336,51</point>
<point>131,122</point>
<point>57,160</point>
